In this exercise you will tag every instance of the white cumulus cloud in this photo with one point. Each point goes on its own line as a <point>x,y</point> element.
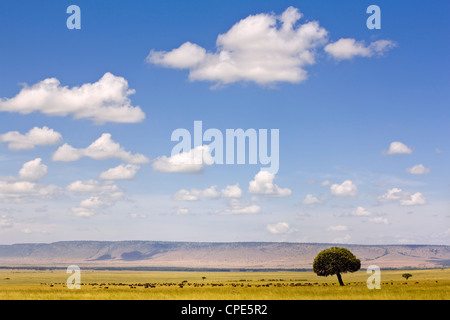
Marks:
<point>33,170</point>
<point>418,169</point>
<point>101,149</point>
<point>361,211</point>
<point>279,228</point>
<point>24,191</point>
<point>345,189</point>
<point>106,100</point>
<point>233,191</point>
<point>398,147</point>
<point>349,48</point>
<point>192,161</point>
<point>28,141</point>
<point>24,187</point>
<point>263,48</point>
<point>414,200</point>
<point>404,198</point>
<point>310,200</point>
<point>99,196</point>
<point>238,207</point>
<point>121,172</point>
<point>263,185</point>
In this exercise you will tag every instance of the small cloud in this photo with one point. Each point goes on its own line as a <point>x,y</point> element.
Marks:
<point>28,141</point>
<point>414,200</point>
<point>233,191</point>
<point>279,228</point>
<point>337,228</point>
<point>182,211</point>
<point>192,161</point>
<point>138,216</point>
<point>325,183</point>
<point>379,220</point>
<point>345,189</point>
<point>343,239</point>
<point>310,200</point>
<point>398,147</point>
<point>5,222</point>
<point>237,207</point>
<point>418,169</point>
<point>100,196</point>
<point>349,48</point>
<point>360,211</point>
<point>25,188</point>
<point>228,192</point>
<point>263,185</point>
<point>101,149</point>
<point>121,172</point>
<point>403,197</point>
<point>33,170</point>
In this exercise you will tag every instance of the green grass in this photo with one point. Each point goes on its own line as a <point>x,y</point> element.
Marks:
<point>125,285</point>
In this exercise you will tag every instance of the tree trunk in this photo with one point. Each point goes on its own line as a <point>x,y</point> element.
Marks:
<point>340,279</point>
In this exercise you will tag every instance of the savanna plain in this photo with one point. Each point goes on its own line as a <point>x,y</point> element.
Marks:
<point>20,284</point>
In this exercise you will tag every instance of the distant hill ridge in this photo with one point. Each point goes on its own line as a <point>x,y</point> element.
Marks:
<point>212,255</point>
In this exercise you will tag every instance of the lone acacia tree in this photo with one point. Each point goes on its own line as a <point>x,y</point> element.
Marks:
<point>335,261</point>
<point>407,275</point>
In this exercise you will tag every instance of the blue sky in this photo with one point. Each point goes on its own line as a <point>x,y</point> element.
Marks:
<point>362,114</point>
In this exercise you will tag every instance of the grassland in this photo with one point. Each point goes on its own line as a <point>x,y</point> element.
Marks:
<point>129,285</point>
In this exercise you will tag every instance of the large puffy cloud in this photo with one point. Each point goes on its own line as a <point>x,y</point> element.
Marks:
<point>345,189</point>
<point>192,161</point>
<point>263,48</point>
<point>28,141</point>
<point>101,149</point>
<point>106,100</point>
<point>350,48</point>
<point>263,185</point>
<point>33,170</point>
<point>404,198</point>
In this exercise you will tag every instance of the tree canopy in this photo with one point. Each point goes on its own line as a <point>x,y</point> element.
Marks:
<point>335,260</point>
